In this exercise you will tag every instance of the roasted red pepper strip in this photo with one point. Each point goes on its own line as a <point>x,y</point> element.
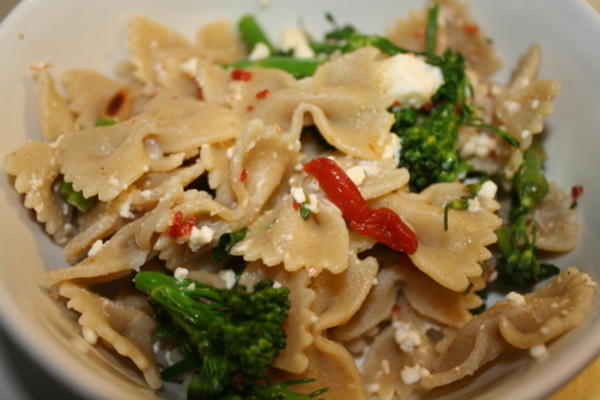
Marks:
<point>339,188</point>
<point>382,224</point>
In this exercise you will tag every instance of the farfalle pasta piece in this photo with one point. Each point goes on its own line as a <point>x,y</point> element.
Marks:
<point>525,322</point>
<point>219,43</point>
<point>557,224</point>
<point>124,328</point>
<point>104,161</point>
<point>35,168</point>
<point>449,257</point>
<point>119,256</point>
<point>281,235</point>
<point>374,178</point>
<point>157,53</point>
<point>55,117</point>
<point>260,157</point>
<point>91,95</point>
<point>385,359</point>
<point>300,317</point>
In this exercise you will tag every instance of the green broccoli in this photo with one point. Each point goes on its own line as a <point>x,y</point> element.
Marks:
<point>75,198</point>
<point>518,263</point>
<point>429,135</point>
<point>228,337</point>
<point>226,243</point>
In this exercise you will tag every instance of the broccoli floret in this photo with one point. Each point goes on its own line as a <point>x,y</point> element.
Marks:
<point>75,198</point>
<point>228,337</point>
<point>518,263</point>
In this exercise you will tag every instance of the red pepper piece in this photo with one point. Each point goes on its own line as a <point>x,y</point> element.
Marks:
<point>179,226</point>
<point>263,94</point>
<point>338,187</point>
<point>244,175</point>
<point>382,224</point>
<point>241,75</point>
<point>387,227</point>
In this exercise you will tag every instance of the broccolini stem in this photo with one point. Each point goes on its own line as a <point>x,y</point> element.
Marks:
<point>252,33</point>
<point>431,33</point>
<point>298,67</point>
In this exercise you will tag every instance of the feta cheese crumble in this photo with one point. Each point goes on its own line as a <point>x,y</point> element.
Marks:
<point>95,247</point>
<point>89,335</point>
<point>229,277</point>
<point>356,174</point>
<point>515,298</point>
<point>259,51</point>
<point>538,351</point>
<point>125,210</point>
<point>410,80</point>
<point>199,237</point>
<point>181,273</point>
<point>406,336</point>
<point>294,39</point>
<point>410,375</point>
<point>298,195</point>
<point>190,66</point>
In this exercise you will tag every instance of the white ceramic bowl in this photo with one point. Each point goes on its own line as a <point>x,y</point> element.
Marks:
<point>91,34</point>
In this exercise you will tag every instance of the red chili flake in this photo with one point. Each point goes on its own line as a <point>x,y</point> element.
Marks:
<point>471,29</point>
<point>457,109</point>
<point>244,175</point>
<point>576,192</point>
<point>199,94</point>
<point>395,103</point>
<point>427,107</point>
<point>396,309</point>
<point>263,94</point>
<point>115,103</point>
<point>296,205</point>
<point>418,35</point>
<point>382,224</point>
<point>180,226</point>
<point>241,75</point>
<point>250,108</point>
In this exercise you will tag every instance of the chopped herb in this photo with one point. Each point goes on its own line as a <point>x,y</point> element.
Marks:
<point>431,33</point>
<point>75,198</point>
<point>226,243</point>
<point>461,203</point>
<point>252,33</point>
<point>105,121</point>
<point>305,211</point>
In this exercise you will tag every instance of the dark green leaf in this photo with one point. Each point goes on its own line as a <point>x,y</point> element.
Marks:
<point>226,242</point>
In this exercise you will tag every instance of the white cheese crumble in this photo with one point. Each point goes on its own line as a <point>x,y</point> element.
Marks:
<point>534,104</point>
<point>356,174</point>
<point>474,205</point>
<point>181,273</point>
<point>95,247</point>
<point>125,210</point>
<point>146,194</point>
<point>259,51</point>
<point>538,351</point>
<point>515,298</point>
<point>89,335</point>
<point>410,80</point>
<point>294,39</point>
<point>406,336</point>
<point>190,66</point>
<point>410,375</point>
<point>298,195</point>
<point>229,152</point>
<point>372,387</point>
<point>375,282</point>
<point>479,145</point>
<point>229,277</point>
<point>153,148</point>
<point>525,134</point>
<point>313,203</point>
<point>512,106</point>
<point>199,237</point>
<point>392,149</point>
<point>276,284</point>
<point>487,191</point>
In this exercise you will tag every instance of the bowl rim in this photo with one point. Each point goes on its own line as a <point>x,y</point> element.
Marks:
<point>86,383</point>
